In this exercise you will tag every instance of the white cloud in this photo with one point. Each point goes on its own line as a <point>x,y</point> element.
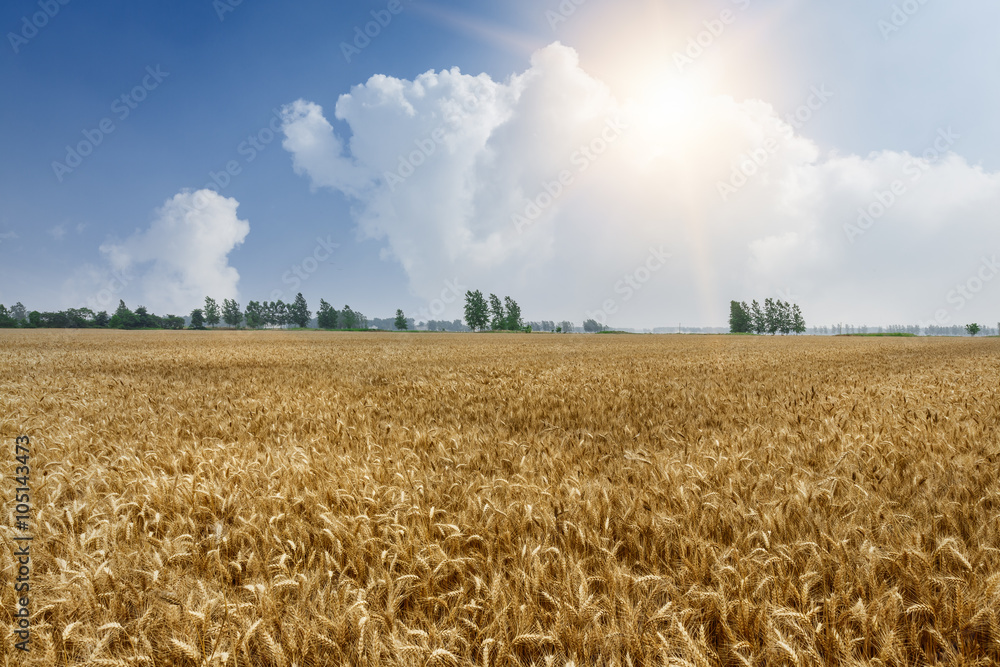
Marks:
<point>439,166</point>
<point>58,232</point>
<point>183,255</point>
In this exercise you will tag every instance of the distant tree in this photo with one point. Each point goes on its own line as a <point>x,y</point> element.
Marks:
<point>173,322</point>
<point>497,319</point>
<point>784,317</point>
<point>255,315</point>
<point>299,312</point>
<point>326,316</point>
<point>567,327</point>
<point>972,329</point>
<point>739,318</point>
<point>101,319</point>
<point>197,319</point>
<point>232,314</point>
<point>758,321</point>
<point>512,319</point>
<point>123,317</point>
<point>143,320</point>
<point>476,311</point>
<point>17,312</point>
<point>281,318</point>
<point>558,329</point>
<point>592,326</point>
<point>349,319</point>
<point>34,319</point>
<point>400,320</point>
<point>772,318</point>
<point>211,312</point>
<point>7,321</point>
<point>798,322</point>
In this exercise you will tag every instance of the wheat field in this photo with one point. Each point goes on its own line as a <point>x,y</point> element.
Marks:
<point>292,499</point>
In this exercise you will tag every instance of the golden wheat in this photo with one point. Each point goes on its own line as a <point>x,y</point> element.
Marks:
<point>317,499</point>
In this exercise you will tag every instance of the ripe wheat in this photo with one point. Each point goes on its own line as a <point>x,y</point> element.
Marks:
<point>321,499</point>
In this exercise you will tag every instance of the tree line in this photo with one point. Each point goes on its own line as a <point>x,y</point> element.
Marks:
<point>775,317</point>
<point>481,313</point>
<point>494,314</point>
<point>257,315</point>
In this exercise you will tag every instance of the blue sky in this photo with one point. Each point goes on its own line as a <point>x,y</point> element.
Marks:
<point>225,74</point>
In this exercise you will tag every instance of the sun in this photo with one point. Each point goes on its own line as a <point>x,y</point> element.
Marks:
<point>667,110</point>
<point>672,102</point>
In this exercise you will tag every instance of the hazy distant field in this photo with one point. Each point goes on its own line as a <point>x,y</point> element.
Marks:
<point>322,499</point>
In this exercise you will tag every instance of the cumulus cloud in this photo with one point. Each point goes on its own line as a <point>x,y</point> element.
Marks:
<point>182,256</point>
<point>546,187</point>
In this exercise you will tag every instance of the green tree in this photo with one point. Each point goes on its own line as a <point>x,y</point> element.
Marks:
<point>7,321</point>
<point>299,312</point>
<point>400,320</point>
<point>512,319</point>
<point>211,312</point>
<point>281,318</point>
<point>348,318</point>
<point>784,317</point>
<point>101,319</point>
<point>17,312</point>
<point>798,322</point>
<point>197,319</point>
<point>255,315</point>
<point>173,322</point>
<point>739,318</point>
<point>772,318</point>
<point>232,314</point>
<point>592,326</point>
<point>757,320</point>
<point>497,319</point>
<point>972,329</point>
<point>144,319</point>
<point>477,312</point>
<point>123,317</point>
<point>326,316</point>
